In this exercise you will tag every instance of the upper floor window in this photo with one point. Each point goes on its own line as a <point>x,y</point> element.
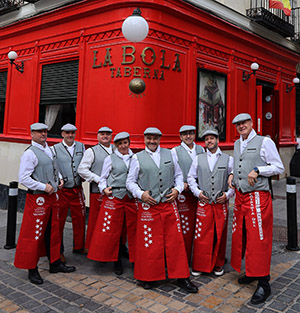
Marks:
<point>3,82</point>
<point>58,95</point>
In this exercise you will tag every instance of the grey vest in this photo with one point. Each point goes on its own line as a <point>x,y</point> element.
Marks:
<point>216,181</point>
<point>185,160</point>
<point>159,181</point>
<point>45,172</point>
<point>99,155</point>
<point>244,164</point>
<point>68,164</point>
<point>117,177</point>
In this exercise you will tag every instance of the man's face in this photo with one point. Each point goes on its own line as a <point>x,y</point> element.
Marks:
<point>123,145</point>
<point>39,136</point>
<point>244,128</point>
<point>104,138</point>
<point>188,137</point>
<point>211,143</point>
<point>152,142</point>
<point>69,137</point>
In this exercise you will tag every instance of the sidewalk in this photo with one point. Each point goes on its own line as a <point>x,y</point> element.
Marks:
<point>95,288</point>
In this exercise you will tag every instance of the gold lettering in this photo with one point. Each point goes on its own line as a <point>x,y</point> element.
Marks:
<point>136,71</point>
<point>107,58</point>
<point>146,72</point>
<point>127,71</point>
<point>163,59</point>
<point>143,56</point>
<point>127,54</point>
<point>95,60</point>
<point>112,72</point>
<point>176,64</point>
<point>155,76</point>
<point>162,77</point>
<point>118,74</point>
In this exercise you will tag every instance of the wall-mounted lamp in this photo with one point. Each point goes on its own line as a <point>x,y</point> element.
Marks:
<point>254,67</point>
<point>135,28</point>
<point>295,81</point>
<point>12,55</point>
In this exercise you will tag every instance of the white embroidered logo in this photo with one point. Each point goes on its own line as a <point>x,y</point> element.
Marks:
<point>181,198</point>
<point>184,224</point>
<point>38,228</point>
<point>40,200</point>
<point>106,223</point>
<point>198,229</point>
<point>148,236</point>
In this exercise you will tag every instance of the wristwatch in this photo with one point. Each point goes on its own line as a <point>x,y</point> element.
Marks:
<point>255,169</point>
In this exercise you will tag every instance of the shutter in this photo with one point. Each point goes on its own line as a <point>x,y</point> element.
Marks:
<point>59,83</point>
<point>3,82</point>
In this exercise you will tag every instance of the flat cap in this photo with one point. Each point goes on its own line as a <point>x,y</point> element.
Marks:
<point>38,126</point>
<point>210,132</point>
<point>186,128</point>
<point>121,135</point>
<point>69,128</point>
<point>241,117</point>
<point>104,129</point>
<point>152,131</point>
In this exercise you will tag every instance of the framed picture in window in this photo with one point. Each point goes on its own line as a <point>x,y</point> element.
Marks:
<point>211,103</point>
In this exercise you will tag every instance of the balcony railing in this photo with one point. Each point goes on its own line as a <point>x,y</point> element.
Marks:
<point>273,19</point>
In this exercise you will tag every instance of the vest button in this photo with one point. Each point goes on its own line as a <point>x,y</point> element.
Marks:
<point>161,186</point>
<point>240,165</point>
<point>212,183</point>
<point>239,172</point>
<point>240,178</point>
<point>241,160</point>
<point>212,188</point>
<point>212,177</point>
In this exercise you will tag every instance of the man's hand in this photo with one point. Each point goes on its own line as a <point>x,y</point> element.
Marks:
<point>186,186</point>
<point>222,199</point>
<point>61,184</point>
<point>49,189</point>
<point>172,195</point>
<point>252,178</point>
<point>108,191</point>
<point>147,198</point>
<point>229,181</point>
<point>203,198</point>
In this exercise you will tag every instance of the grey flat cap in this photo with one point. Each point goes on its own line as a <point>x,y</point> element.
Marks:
<point>186,128</point>
<point>241,117</point>
<point>210,132</point>
<point>104,129</point>
<point>38,126</point>
<point>120,136</point>
<point>69,128</point>
<point>152,131</point>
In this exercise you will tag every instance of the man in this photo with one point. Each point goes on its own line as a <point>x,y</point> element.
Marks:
<point>68,154</point>
<point>255,159</point>
<point>207,179</point>
<point>156,180</point>
<point>90,169</point>
<point>185,153</point>
<point>40,225</point>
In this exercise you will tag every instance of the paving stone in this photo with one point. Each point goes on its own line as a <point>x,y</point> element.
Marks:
<point>296,307</point>
<point>40,309</point>
<point>284,298</point>
<point>92,305</point>
<point>167,288</point>
<point>268,311</point>
<point>21,300</point>
<point>295,286</point>
<point>245,309</point>
<point>51,300</point>
<point>72,309</point>
<point>278,305</point>
<point>70,296</point>
<point>31,304</point>
<point>283,280</point>
<point>291,293</point>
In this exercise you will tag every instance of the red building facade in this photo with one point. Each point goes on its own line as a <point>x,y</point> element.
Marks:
<point>192,63</point>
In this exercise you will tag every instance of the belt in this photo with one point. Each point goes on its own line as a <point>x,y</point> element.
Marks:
<point>36,192</point>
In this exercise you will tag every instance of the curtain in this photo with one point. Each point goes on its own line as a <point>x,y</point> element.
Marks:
<point>51,114</point>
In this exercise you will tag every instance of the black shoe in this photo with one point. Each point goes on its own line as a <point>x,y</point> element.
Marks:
<point>58,267</point>
<point>245,280</point>
<point>80,251</point>
<point>35,277</point>
<point>187,285</point>
<point>118,269</point>
<point>260,295</point>
<point>148,284</point>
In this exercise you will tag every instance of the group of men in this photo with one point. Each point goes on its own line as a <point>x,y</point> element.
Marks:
<point>182,196</point>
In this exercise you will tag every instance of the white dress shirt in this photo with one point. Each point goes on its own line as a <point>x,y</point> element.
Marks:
<point>212,159</point>
<point>107,165</point>
<point>191,152</point>
<point>268,153</point>
<point>86,163</point>
<point>29,162</point>
<point>132,178</point>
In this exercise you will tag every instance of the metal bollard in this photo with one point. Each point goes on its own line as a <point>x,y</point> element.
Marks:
<point>291,203</point>
<point>12,216</point>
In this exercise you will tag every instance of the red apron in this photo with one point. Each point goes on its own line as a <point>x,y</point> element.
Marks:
<point>159,242</point>
<point>187,206</point>
<point>105,242</point>
<point>31,244</point>
<point>95,204</point>
<point>255,208</point>
<point>73,198</point>
<point>210,232</point>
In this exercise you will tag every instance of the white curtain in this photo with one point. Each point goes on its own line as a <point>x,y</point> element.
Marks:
<point>51,114</point>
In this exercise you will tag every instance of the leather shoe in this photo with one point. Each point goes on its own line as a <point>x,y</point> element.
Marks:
<point>187,285</point>
<point>59,267</point>
<point>260,295</point>
<point>80,251</point>
<point>35,277</point>
<point>245,280</point>
<point>148,284</point>
<point>118,269</point>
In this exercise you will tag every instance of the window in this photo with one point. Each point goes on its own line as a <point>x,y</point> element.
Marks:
<point>3,82</point>
<point>58,95</point>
